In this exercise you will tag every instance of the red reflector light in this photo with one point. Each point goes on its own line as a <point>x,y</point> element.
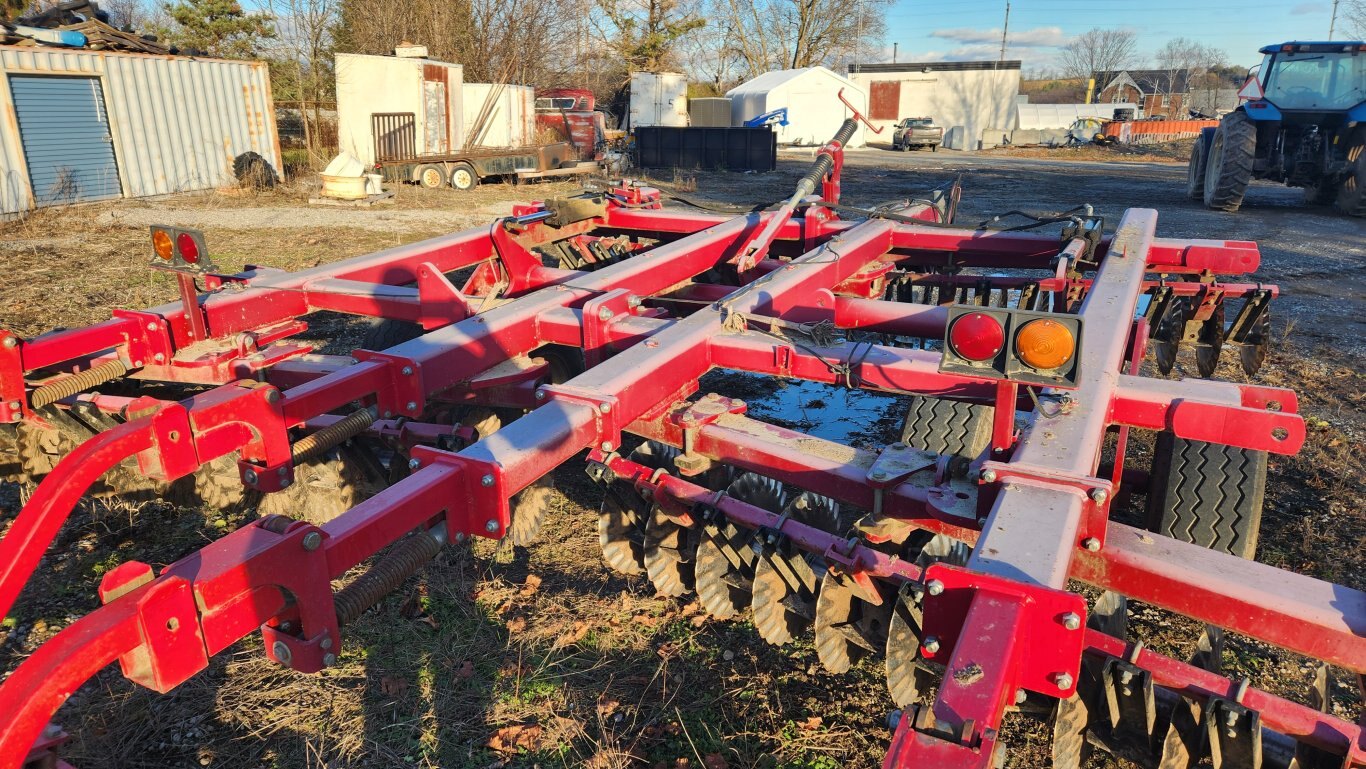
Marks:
<point>189,250</point>
<point>977,337</point>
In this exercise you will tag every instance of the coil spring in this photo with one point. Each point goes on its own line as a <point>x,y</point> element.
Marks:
<point>386,575</point>
<point>91,377</point>
<point>313,446</point>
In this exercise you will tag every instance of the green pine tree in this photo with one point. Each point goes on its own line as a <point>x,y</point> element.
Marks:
<point>217,28</point>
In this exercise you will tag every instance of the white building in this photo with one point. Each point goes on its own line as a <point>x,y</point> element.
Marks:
<point>79,126</point>
<point>658,98</point>
<point>964,97</point>
<point>811,96</point>
<point>412,105</point>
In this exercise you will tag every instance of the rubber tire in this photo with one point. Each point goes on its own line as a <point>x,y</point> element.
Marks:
<point>254,172</point>
<point>1351,198</point>
<point>431,176</point>
<point>1207,494</point>
<point>460,172</point>
<point>947,427</point>
<point>387,333</point>
<point>1228,168</point>
<point>1195,170</point>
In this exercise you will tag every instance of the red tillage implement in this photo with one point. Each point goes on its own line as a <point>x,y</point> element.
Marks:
<point>967,532</point>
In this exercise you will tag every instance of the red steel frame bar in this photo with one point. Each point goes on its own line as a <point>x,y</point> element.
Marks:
<point>222,593</point>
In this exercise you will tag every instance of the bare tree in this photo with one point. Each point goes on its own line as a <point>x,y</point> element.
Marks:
<point>1183,64</point>
<point>1099,50</point>
<point>1354,19</point>
<point>788,34</point>
<point>303,48</point>
<point>646,33</point>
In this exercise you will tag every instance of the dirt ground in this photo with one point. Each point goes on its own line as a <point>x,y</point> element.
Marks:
<point>496,657</point>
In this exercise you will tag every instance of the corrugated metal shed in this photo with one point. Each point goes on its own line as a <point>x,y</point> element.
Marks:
<point>176,123</point>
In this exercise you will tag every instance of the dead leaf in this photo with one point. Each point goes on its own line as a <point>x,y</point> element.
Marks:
<point>715,761</point>
<point>573,635</point>
<point>673,729</point>
<point>607,706</point>
<point>667,650</point>
<point>429,619</point>
<point>810,724</point>
<point>699,620</point>
<point>517,624</point>
<point>646,620</point>
<point>532,584</point>
<point>465,671</point>
<point>690,609</point>
<point>393,687</point>
<point>511,739</point>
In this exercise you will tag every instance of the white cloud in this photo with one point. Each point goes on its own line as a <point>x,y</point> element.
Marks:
<point>1306,9</point>
<point>1039,37</point>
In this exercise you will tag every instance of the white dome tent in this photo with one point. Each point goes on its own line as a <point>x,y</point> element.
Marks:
<point>810,94</point>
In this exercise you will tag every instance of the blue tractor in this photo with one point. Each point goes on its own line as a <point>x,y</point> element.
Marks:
<point>1303,124</point>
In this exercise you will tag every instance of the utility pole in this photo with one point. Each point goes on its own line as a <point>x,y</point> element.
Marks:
<point>894,45</point>
<point>1333,23</point>
<point>1005,30</point>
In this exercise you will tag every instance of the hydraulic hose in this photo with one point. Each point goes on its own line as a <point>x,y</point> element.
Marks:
<point>823,164</point>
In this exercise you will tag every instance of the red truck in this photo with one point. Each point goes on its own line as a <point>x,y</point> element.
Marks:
<point>572,115</point>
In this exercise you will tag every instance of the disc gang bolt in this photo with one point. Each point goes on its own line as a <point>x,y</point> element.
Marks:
<point>1071,621</point>
<point>1063,680</point>
<point>486,480</point>
<point>1020,696</point>
<point>604,314</point>
<point>491,526</point>
<point>282,653</point>
<point>329,659</point>
<point>1099,496</point>
<point>413,464</point>
<point>935,587</point>
<point>988,476</point>
<point>1091,543</point>
<point>312,540</point>
<point>931,645</point>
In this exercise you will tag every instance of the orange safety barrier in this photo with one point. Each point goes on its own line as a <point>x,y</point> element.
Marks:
<point>1156,130</point>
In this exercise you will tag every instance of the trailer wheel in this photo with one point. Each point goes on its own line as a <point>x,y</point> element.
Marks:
<point>464,177</point>
<point>1351,199</point>
<point>1207,494</point>
<point>431,176</point>
<point>387,333</point>
<point>1195,172</point>
<point>947,427</point>
<point>1228,169</point>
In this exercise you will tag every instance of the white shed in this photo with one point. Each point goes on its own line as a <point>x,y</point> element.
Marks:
<point>412,105</point>
<point>964,97</point>
<point>658,98</point>
<point>810,94</point>
<point>508,112</point>
<point>79,125</point>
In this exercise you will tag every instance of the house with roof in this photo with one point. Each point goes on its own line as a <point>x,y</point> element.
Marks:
<point>1162,92</point>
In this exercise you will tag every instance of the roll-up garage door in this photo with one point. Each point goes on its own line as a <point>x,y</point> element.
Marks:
<point>67,143</point>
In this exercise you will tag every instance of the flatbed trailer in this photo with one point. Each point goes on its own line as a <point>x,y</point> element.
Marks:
<point>464,169</point>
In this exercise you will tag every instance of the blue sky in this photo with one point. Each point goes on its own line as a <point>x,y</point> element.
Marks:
<point>931,30</point>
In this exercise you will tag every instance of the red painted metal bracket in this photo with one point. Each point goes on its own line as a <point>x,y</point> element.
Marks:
<point>13,398</point>
<point>608,423</point>
<point>403,394</point>
<point>441,302</point>
<point>598,314</point>
<point>1094,493</point>
<point>483,509</point>
<point>1051,620</point>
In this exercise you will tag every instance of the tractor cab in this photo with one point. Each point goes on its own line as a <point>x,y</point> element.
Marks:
<point>1313,77</point>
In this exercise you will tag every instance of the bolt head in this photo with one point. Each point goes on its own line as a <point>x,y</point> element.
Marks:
<point>487,480</point>
<point>1020,696</point>
<point>412,405</point>
<point>460,536</point>
<point>604,314</point>
<point>988,476</point>
<point>931,645</point>
<point>633,301</point>
<point>935,587</point>
<point>159,357</point>
<point>151,326</point>
<point>607,446</point>
<point>491,526</point>
<point>282,653</point>
<point>1071,621</point>
<point>413,464</point>
<point>1091,543</point>
<point>286,483</point>
<point>250,476</point>
<point>1063,680</point>
<point>15,405</point>
<point>407,370</point>
<point>605,408</point>
<point>329,659</point>
<point>879,475</point>
<point>325,644</point>
<point>540,395</point>
<point>11,341</point>
<point>1099,496</point>
<point>312,541</point>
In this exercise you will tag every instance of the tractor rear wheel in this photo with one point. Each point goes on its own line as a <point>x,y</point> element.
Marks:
<point>1207,494</point>
<point>1195,172</point>
<point>1228,169</point>
<point>1351,199</point>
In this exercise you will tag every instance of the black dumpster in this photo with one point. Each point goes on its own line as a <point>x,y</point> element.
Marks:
<point>724,149</point>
